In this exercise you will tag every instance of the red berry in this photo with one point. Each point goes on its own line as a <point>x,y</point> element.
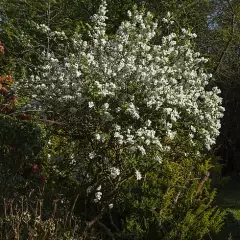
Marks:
<point>35,167</point>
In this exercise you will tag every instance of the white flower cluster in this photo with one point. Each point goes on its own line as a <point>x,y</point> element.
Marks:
<point>138,175</point>
<point>114,172</point>
<point>98,195</point>
<point>44,28</point>
<point>143,89</point>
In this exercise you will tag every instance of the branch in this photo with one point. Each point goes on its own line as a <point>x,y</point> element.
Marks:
<point>230,40</point>
<point>204,179</point>
<point>93,221</point>
<point>177,196</point>
<point>107,230</point>
<point>111,221</point>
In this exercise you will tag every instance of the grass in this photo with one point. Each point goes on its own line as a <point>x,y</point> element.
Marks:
<point>228,198</point>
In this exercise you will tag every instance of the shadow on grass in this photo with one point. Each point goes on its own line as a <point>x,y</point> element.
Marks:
<point>228,198</point>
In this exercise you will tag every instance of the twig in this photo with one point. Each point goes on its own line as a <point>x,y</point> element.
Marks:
<point>111,221</point>
<point>177,197</point>
<point>230,40</point>
<point>73,206</point>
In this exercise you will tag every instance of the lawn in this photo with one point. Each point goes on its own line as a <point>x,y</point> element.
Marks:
<point>228,198</point>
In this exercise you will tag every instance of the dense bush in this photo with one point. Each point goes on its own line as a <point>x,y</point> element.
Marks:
<point>124,149</point>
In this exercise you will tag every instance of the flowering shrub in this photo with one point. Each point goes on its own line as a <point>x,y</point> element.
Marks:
<point>139,92</point>
<point>133,120</point>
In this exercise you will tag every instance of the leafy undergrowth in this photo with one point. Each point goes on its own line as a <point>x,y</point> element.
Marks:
<point>229,198</point>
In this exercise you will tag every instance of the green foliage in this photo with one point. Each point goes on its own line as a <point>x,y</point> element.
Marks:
<point>173,200</point>
<point>20,144</point>
<point>172,203</point>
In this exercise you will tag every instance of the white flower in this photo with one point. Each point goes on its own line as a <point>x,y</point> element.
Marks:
<point>114,172</point>
<point>171,134</point>
<point>191,135</point>
<point>142,150</point>
<point>193,129</point>
<point>120,47</point>
<point>105,106</point>
<point>118,109</point>
<point>92,155</point>
<point>129,13</point>
<point>78,73</point>
<point>158,159</point>
<point>184,31</point>
<point>138,175</point>
<point>98,196</point>
<point>147,142</point>
<point>136,81</point>
<point>165,20</point>
<point>117,127</point>
<point>110,205</point>
<point>97,136</point>
<point>90,104</point>
<point>148,123</point>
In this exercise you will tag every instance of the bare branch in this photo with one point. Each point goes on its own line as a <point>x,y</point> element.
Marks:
<point>107,230</point>
<point>231,37</point>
